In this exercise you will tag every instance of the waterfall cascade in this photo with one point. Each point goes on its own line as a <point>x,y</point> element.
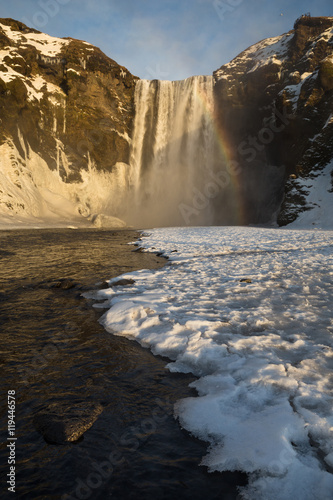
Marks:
<point>174,152</point>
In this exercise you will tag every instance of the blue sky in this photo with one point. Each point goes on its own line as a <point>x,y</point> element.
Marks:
<point>166,39</point>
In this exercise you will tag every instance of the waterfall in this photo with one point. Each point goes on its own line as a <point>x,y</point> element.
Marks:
<point>173,153</point>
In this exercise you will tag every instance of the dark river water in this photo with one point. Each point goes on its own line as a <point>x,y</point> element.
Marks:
<point>53,350</point>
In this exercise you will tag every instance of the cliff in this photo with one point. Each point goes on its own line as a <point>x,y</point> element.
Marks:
<point>66,110</point>
<point>67,118</point>
<point>275,100</point>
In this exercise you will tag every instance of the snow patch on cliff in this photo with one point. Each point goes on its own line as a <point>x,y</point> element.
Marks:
<point>293,92</point>
<point>47,45</point>
<point>319,200</point>
<point>36,86</point>
<point>268,51</point>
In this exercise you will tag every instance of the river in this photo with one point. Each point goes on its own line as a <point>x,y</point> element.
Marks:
<point>53,350</point>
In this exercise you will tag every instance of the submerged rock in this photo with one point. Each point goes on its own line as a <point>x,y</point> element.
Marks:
<point>61,283</point>
<point>62,423</point>
<point>64,284</point>
<point>138,250</point>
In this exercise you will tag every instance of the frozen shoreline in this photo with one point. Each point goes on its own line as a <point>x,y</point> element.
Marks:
<point>262,349</point>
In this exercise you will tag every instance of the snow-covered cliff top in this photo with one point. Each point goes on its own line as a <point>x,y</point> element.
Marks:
<point>47,45</point>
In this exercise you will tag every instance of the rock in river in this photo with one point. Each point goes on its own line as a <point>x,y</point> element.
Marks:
<point>61,423</point>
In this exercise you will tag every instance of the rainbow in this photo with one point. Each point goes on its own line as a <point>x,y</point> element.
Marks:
<point>230,165</point>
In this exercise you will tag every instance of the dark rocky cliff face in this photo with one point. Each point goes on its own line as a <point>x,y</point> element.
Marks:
<point>91,103</point>
<point>275,102</point>
<point>66,102</point>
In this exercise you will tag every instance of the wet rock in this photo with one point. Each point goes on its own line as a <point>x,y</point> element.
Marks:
<point>64,284</point>
<point>4,253</point>
<point>102,286</point>
<point>245,280</point>
<point>63,423</point>
<point>123,282</point>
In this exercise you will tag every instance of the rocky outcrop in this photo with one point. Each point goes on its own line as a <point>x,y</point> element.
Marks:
<point>275,104</point>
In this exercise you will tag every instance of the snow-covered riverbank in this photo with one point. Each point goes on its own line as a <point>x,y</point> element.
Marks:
<point>249,312</point>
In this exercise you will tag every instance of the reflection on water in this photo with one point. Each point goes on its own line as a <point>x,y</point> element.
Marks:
<point>53,350</point>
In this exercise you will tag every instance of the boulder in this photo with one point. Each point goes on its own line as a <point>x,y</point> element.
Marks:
<point>61,423</point>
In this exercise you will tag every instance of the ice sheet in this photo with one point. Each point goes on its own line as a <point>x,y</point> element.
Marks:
<point>262,349</point>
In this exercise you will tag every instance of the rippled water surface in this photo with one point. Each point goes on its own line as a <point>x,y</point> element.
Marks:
<point>53,350</point>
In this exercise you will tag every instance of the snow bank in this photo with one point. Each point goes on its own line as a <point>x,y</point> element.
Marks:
<point>262,348</point>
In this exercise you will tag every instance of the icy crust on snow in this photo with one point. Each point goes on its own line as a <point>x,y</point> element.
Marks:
<point>262,350</point>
